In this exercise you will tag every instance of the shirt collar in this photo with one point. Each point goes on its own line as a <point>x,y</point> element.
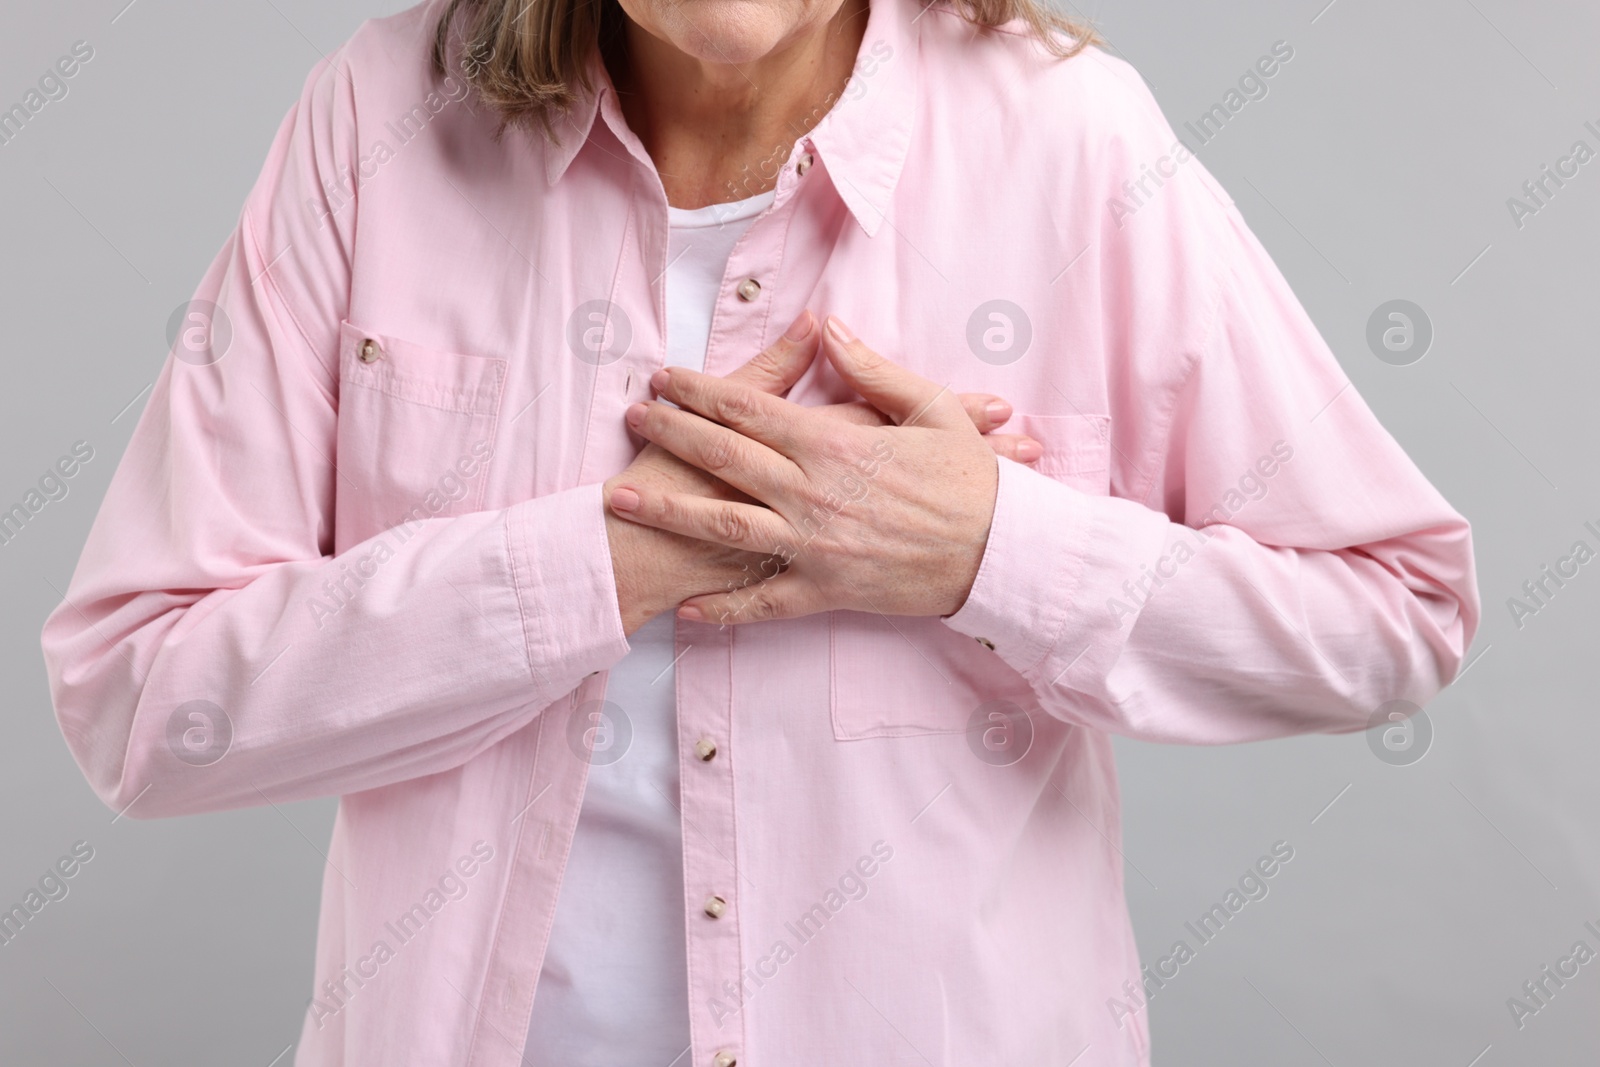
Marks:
<point>863,139</point>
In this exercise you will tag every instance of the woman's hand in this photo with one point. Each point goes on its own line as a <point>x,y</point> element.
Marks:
<point>885,518</point>
<point>656,569</point>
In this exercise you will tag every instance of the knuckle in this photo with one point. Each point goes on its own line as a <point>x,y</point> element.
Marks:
<point>762,605</point>
<point>764,367</point>
<point>862,414</point>
<point>730,527</point>
<point>840,447</point>
<point>667,509</point>
<point>732,408</point>
<point>654,423</point>
<point>719,453</point>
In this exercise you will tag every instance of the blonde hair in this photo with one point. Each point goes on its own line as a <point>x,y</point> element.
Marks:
<point>528,59</point>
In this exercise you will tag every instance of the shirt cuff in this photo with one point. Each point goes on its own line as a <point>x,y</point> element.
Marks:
<point>1055,558</point>
<point>566,590</point>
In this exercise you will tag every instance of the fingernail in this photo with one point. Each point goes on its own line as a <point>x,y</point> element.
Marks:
<point>624,499</point>
<point>1029,450</point>
<point>690,613</point>
<point>998,411</point>
<point>634,415</point>
<point>659,380</point>
<point>840,331</point>
<point>800,328</point>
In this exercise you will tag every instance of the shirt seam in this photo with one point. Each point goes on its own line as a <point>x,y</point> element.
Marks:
<point>247,230</point>
<point>1162,446</point>
<point>733,804</point>
<point>439,398</point>
<point>1073,566</point>
<point>497,939</point>
<point>522,606</point>
<point>628,226</point>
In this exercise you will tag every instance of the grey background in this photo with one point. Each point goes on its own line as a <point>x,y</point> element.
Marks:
<point>1420,897</point>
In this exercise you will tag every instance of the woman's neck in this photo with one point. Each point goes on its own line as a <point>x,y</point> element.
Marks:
<point>720,131</point>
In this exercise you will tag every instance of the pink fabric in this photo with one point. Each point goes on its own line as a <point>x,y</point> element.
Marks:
<point>892,897</point>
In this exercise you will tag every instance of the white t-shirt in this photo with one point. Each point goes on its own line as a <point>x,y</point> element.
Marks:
<point>614,991</point>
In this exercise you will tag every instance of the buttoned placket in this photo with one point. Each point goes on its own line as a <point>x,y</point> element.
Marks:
<point>751,311</point>
<point>755,304</point>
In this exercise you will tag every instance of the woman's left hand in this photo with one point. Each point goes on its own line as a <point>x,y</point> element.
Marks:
<point>890,519</point>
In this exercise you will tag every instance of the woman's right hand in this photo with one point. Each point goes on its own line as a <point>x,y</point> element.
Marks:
<point>655,570</point>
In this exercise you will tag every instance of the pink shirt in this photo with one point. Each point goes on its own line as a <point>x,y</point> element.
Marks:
<point>356,548</point>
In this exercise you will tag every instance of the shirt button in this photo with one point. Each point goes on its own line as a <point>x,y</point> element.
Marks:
<point>985,642</point>
<point>749,289</point>
<point>706,749</point>
<point>715,906</point>
<point>804,164</point>
<point>369,351</point>
<point>723,1059</point>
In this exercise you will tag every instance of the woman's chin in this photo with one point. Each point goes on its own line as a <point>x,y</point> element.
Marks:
<point>735,32</point>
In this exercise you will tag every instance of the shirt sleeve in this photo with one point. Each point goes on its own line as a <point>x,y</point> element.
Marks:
<point>1286,569</point>
<point>186,670</point>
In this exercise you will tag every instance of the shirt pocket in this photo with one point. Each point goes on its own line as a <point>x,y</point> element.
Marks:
<point>1077,448</point>
<point>904,676</point>
<point>416,431</point>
